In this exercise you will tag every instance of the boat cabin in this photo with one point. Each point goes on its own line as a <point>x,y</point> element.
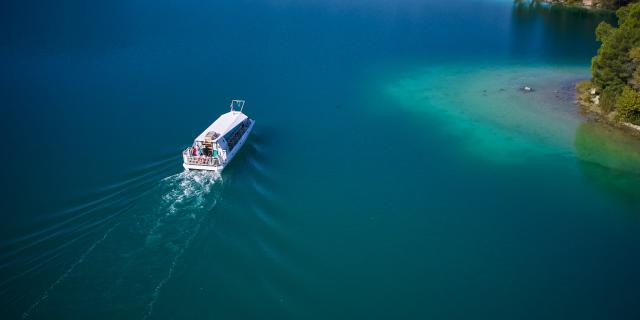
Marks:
<point>217,144</point>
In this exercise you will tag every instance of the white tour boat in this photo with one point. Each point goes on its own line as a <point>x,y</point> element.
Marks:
<point>216,146</point>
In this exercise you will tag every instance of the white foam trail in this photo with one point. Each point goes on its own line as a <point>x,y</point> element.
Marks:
<point>189,185</point>
<point>185,187</point>
<point>188,192</point>
<point>58,281</point>
<point>183,192</point>
<point>158,288</point>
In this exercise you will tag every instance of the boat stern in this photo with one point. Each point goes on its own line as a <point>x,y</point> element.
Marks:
<point>202,167</point>
<point>200,162</point>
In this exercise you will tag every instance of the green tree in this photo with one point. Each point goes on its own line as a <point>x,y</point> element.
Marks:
<point>634,54</point>
<point>628,105</point>
<point>616,64</point>
<point>608,99</point>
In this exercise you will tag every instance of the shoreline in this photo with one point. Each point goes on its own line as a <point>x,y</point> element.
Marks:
<point>587,100</point>
<point>577,5</point>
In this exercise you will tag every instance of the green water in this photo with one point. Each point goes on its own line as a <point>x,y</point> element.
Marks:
<point>485,108</point>
<point>396,169</point>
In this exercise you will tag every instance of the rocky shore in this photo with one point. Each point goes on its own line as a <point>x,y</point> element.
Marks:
<point>589,100</point>
<point>590,4</point>
<point>584,3</point>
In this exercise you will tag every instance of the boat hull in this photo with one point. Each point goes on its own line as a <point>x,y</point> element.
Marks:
<point>206,168</point>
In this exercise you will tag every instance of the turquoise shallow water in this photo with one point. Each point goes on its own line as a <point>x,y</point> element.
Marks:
<point>395,171</point>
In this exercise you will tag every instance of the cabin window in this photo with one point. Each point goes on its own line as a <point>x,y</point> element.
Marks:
<point>236,133</point>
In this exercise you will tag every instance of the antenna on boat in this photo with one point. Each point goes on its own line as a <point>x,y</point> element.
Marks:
<point>239,103</point>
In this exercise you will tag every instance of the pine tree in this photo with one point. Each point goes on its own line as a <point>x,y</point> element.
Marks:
<point>616,68</point>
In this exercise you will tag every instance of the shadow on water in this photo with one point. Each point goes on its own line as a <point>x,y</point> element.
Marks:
<point>554,31</point>
<point>610,158</point>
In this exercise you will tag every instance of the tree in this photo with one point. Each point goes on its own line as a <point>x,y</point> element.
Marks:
<point>628,105</point>
<point>634,54</point>
<point>608,98</point>
<point>616,65</point>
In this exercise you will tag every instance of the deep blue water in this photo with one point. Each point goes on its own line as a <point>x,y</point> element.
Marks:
<point>347,201</point>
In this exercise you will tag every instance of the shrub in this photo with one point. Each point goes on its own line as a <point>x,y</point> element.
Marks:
<point>628,105</point>
<point>634,54</point>
<point>608,99</point>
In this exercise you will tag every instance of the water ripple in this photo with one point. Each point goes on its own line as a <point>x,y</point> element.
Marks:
<point>46,293</point>
<point>169,211</point>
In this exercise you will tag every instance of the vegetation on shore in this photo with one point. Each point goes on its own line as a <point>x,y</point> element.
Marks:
<point>601,4</point>
<point>614,90</point>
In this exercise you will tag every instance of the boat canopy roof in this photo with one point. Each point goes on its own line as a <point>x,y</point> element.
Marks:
<point>222,125</point>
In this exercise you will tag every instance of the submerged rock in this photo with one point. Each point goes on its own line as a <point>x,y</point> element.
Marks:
<point>527,89</point>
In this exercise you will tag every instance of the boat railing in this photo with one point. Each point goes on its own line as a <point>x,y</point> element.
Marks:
<point>189,158</point>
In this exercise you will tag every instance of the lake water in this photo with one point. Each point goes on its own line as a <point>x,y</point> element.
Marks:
<point>396,171</point>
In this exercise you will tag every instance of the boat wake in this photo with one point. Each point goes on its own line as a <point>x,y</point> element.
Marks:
<point>187,189</point>
<point>149,240</point>
<point>60,279</point>
<point>186,192</point>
